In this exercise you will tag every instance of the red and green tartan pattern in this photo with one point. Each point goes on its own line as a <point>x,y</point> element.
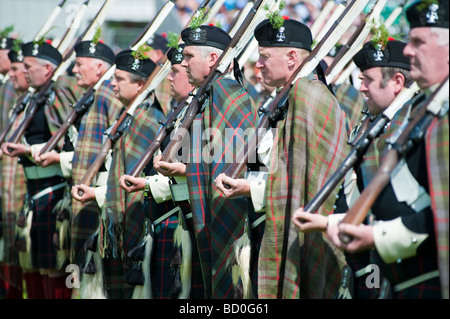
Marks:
<point>437,148</point>
<point>351,101</point>
<point>95,122</point>
<point>123,209</point>
<point>309,146</point>
<point>67,93</point>
<point>162,91</point>
<point>218,222</point>
<point>13,193</point>
<point>7,98</point>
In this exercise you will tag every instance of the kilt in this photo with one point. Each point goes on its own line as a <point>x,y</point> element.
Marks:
<point>43,251</point>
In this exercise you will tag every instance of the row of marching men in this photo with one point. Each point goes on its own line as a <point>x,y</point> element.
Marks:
<point>184,229</point>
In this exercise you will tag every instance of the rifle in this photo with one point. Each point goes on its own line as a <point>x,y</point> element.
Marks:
<point>371,128</point>
<point>238,42</point>
<point>409,135</point>
<point>119,127</point>
<point>88,97</point>
<point>46,90</point>
<point>53,15</point>
<point>116,131</point>
<point>354,43</point>
<point>165,129</point>
<point>338,10</point>
<point>19,107</point>
<point>277,107</point>
<point>324,13</point>
<point>70,32</point>
<point>350,65</point>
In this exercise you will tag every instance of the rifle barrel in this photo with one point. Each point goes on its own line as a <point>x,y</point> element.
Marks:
<point>424,116</point>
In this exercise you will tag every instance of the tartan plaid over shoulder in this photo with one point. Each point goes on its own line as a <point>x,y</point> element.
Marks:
<point>12,179</point>
<point>13,192</point>
<point>352,102</point>
<point>437,152</point>
<point>122,207</point>
<point>309,146</point>
<point>101,115</point>
<point>67,93</point>
<point>7,99</point>
<point>218,222</point>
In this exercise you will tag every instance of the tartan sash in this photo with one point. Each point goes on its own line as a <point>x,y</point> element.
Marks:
<point>309,146</point>
<point>94,123</point>
<point>437,150</point>
<point>218,222</point>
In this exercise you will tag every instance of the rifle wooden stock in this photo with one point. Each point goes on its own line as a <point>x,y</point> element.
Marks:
<point>20,106</point>
<point>32,109</point>
<point>163,132</point>
<point>80,108</point>
<point>44,90</point>
<point>197,102</point>
<point>404,143</point>
<point>98,162</point>
<point>371,128</point>
<point>346,47</point>
<point>114,133</point>
<point>276,107</point>
<point>100,159</point>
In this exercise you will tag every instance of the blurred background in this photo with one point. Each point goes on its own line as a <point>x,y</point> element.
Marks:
<point>126,18</point>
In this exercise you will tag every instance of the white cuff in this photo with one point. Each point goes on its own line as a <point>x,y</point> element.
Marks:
<point>334,219</point>
<point>258,195</point>
<point>65,161</point>
<point>395,241</point>
<point>100,195</point>
<point>36,148</point>
<point>160,189</point>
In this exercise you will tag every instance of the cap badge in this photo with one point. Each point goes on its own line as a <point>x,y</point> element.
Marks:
<point>20,56</point>
<point>92,48</point>
<point>378,55</point>
<point>135,65</point>
<point>35,49</point>
<point>281,37</point>
<point>196,34</point>
<point>432,16</point>
<point>179,55</point>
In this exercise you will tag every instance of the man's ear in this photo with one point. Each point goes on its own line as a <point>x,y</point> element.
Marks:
<point>48,69</point>
<point>213,57</point>
<point>292,56</point>
<point>399,82</point>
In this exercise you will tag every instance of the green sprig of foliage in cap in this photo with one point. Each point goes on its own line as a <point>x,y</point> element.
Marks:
<point>6,31</point>
<point>17,45</point>
<point>381,36</point>
<point>41,40</point>
<point>172,40</point>
<point>275,18</point>
<point>424,4</point>
<point>141,52</point>
<point>199,19</point>
<point>98,33</point>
